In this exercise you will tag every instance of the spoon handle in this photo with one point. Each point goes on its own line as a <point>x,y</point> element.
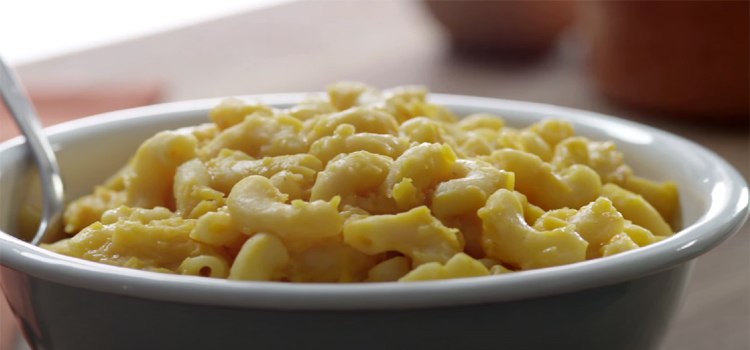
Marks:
<point>26,117</point>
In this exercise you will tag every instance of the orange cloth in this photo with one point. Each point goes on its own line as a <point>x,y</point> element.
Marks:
<point>57,104</point>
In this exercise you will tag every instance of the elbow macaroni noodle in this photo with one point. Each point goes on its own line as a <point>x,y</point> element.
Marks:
<point>362,185</point>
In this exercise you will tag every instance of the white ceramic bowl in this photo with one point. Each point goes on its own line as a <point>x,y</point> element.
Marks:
<point>620,302</point>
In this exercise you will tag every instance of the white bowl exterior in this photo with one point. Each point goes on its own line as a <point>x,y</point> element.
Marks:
<point>714,200</point>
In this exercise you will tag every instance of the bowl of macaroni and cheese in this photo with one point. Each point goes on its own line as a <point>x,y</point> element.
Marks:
<point>361,218</point>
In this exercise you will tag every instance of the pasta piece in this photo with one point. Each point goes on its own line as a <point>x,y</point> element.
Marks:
<point>618,244</point>
<point>356,179</point>
<point>256,206</point>
<point>553,131</point>
<point>363,120</point>
<point>416,234</point>
<point>509,239</point>
<point>263,257</point>
<point>144,216</point>
<point>407,102</point>
<point>418,169</point>
<point>205,265</point>
<point>233,111</point>
<point>423,129</point>
<point>192,186</point>
<point>499,270</point>
<point>149,183</point>
<point>345,140</point>
<point>459,266</point>
<point>475,182</point>
<point>636,209</point>
<point>228,168</point>
<point>344,95</point>
<point>596,222</point>
<point>572,187</point>
<point>217,229</point>
<point>162,244</point>
<point>662,196</point>
<point>481,121</point>
<point>330,261</point>
<point>260,135</point>
<point>390,270</point>
<point>602,157</point>
<point>89,209</point>
<point>311,107</point>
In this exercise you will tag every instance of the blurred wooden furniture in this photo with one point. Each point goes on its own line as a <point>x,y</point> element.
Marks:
<point>56,104</point>
<point>303,46</point>
<point>512,28</point>
<point>686,57</point>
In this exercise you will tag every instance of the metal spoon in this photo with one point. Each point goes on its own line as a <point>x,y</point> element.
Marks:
<point>25,115</point>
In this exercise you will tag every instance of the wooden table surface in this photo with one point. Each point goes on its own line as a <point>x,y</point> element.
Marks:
<point>304,46</point>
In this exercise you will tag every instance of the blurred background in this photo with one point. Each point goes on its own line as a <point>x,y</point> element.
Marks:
<point>678,65</point>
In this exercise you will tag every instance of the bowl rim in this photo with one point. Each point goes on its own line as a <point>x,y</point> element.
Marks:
<point>727,212</point>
